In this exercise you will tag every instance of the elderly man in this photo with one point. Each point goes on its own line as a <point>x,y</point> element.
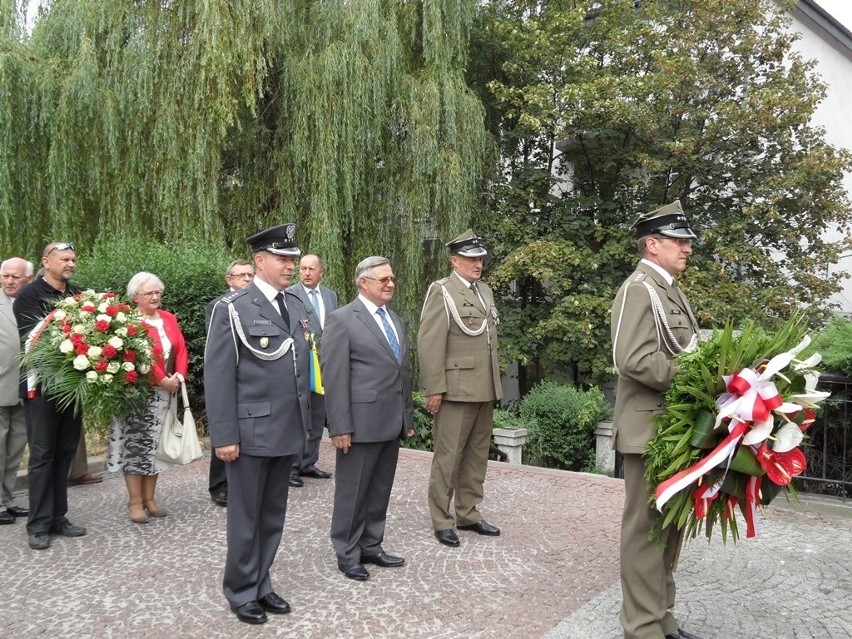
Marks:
<point>238,275</point>
<point>651,322</point>
<point>15,273</point>
<point>369,409</point>
<point>257,394</point>
<point>52,434</point>
<point>460,373</point>
<point>319,300</point>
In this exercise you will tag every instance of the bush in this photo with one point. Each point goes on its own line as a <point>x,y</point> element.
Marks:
<point>561,423</point>
<point>834,343</point>
<point>193,274</point>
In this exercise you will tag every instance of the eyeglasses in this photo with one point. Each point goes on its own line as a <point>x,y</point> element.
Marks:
<point>151,294</point>
<point>682,241</point>
<point>242,276</point>
<point>61,246</point>
<point>384,280</point>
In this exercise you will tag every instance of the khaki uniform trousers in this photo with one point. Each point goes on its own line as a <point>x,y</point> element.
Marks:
<point>462,436</point>
<point>647,582</point>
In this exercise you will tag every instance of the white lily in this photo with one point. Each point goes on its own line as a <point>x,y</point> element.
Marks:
<point>787,438</point>
<point>759,432</point>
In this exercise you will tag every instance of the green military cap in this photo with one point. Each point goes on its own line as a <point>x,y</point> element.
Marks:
<point>668,220</point>
<point>280,240</point>
<point>468,244</point>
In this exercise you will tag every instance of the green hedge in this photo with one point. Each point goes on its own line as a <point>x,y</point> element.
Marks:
<point>193,274</point>
<point>834,343</point>
<point>561,424</point>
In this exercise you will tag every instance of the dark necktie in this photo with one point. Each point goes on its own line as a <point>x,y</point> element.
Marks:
<point>392,340</point>
<point>476,292</point>
<point>282,308</point>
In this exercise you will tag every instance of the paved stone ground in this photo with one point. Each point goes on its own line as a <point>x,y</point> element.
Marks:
<point>553,573</point>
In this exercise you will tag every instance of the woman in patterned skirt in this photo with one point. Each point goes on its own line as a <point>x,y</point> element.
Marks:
<point>133,441</point>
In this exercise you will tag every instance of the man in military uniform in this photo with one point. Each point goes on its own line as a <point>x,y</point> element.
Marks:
<point>651,322</point>
<point>457,345</point>
<point>257,390</point>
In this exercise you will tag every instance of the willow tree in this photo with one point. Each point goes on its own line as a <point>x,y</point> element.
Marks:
<point>608,109</point>
<point>210,119</point>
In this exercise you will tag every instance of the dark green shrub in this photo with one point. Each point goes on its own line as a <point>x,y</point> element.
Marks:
<point>422,439</point>
<point>561,423</point>
<point>193,274</point>
<point>834,343</point>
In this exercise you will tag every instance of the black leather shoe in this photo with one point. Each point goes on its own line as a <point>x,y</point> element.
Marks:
<point>683,634</point>
<point>250,612</point>
<point>672,635</point>
<point>296,481</point>
<point>220,497</point>
<point>482,528</point>
<point>384,560</point>
<point>67,529</point>
<point>355,571</point>
<point>6,518</point>
<point>17,511</point>
<point>447,537</point>
<point>39,540</point>
<point>274,604</point>
<point>316,473</point>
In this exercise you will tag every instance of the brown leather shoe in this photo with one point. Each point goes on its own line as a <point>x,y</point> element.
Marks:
<point>88,478</point>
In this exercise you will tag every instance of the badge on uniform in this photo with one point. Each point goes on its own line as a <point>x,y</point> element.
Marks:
<point>494,315</point>
<point>264,342</point>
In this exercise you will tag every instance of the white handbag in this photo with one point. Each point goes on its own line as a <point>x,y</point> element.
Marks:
<point>179,440</point>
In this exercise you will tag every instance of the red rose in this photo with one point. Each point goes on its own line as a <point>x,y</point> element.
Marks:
<point>88,307</point>
<point>129,356</point>
<point>102,326</point>
<point>131,330</point>
<point>82,348</point>
<point>112,310</point>
<point>76,339</point>
<point>66,328</point>
<point>108,295</point>
<point>101,365</point>
<point>124,307</point>
<point>130,377</point>
<point>109,351</point>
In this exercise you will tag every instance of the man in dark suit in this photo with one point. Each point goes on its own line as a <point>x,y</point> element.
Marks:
<point>369,408</point>
<point>15,273</point>
<point>238,275</point>
<point>52,434</point>
<point>457,344</point>
<point>651,322</point>
<point>319,301</point>
<point>256,389</point>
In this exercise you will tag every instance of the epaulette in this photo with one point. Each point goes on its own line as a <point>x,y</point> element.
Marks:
<point>230,296</point>
<point>639,276</point>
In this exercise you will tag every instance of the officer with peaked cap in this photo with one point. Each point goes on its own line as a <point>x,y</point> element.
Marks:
<point>651,322</point>
<point>257,390</point>
<point>457,347</point>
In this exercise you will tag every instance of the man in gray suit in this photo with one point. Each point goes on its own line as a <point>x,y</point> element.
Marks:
<point>319,301</point>
<point>369,408</point>
<point>15,273</point>
<point>651,322</point>
<point>256,389</point>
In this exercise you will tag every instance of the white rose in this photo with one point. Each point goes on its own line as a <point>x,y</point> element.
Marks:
<point>59,314</point>
<point>144,368</point>
<point>95,352</point>
<point>69,301</point>
<point>102,307</point>
<point>115,342</point>
<point>79,329</point>
<point>81,362</point>
<point>103,317</point>
<point>106,378</point>
<point>113,367</point>
<point>121,317</point>
<point>121,332</point>
<point>65,346</point>
<point>128,366</point>
<point>91,377</point>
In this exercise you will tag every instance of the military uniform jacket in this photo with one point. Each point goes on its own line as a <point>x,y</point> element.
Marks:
<point>642,353</point>
<point>462,367</point>
<point>262,404</point>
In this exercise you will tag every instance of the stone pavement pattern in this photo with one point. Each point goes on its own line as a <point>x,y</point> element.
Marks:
<point>553,572</point>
